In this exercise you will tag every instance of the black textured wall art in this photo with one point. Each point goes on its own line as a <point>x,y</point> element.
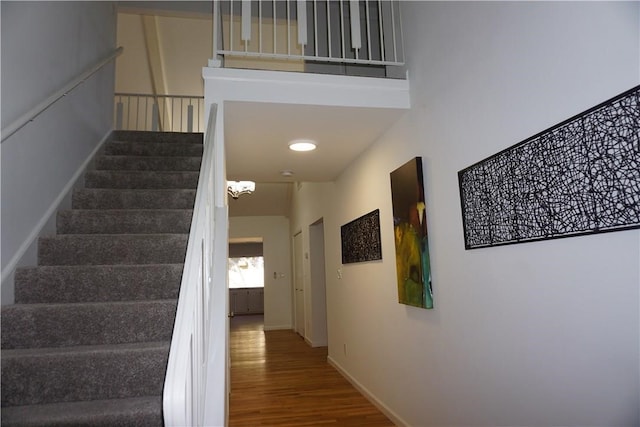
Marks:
<point>361,239</point>
<point>581,176</point>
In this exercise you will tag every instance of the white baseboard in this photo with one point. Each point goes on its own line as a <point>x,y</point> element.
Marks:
<point>322,343</point>
<point>49,213</point>
<point>395,418</point>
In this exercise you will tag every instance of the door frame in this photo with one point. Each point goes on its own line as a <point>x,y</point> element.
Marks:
<point>299,313</point>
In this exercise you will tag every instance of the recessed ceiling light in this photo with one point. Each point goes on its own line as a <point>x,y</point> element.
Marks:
<point>302,145</point>
<point>286,173</point>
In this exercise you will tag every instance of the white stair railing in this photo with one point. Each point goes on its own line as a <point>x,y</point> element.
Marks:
<point>195,388</point>
<point>164,113</point>
<point>331,31</point>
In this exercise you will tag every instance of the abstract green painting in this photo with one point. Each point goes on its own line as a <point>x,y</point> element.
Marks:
<point>411,237</point>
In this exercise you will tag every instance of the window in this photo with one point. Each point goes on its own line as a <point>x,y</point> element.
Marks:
<point>246,264</point>
<point>246,272</point>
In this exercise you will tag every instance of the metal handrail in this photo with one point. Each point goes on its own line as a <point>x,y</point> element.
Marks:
<point>30,115</point>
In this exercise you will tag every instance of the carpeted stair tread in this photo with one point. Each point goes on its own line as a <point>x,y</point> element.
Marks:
<point>132,412</point>
<point>101,249</point>
<point>140,179</point>
<point>58,325</point>
<point>66,374</point>
<point>101,198</point>
<point>138,221</point>
<point>156,137</point>
<point>95,283</point>
<point>173,163</point>
<point>121,148</point>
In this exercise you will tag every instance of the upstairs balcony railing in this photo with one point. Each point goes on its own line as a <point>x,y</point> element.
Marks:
<point>164,113</point>
<point>308,31</point>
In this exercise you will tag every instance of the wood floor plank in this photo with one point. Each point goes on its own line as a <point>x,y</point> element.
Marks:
<point>278,380</point>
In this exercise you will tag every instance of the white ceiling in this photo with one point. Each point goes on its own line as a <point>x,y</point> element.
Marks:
<point>269,199</point>
<point>257,137</point>
<point>256,143</point>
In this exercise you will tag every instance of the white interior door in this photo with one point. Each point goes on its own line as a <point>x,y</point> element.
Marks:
<point>298,283</point>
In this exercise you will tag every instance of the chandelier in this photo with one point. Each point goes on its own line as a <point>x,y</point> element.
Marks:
<point>238,188</point>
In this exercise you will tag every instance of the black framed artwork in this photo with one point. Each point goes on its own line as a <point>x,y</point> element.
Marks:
<point>361,239</point>
<point>581,176</point>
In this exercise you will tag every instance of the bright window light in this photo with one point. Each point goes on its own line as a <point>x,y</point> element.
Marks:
<point>246,272</point>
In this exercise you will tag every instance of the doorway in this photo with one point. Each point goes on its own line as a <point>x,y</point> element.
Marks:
<point>246,277</point>
<point>318,288</point>
<point>298,284</point>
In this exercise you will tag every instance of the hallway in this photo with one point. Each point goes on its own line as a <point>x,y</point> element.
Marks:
<point>277,379</point>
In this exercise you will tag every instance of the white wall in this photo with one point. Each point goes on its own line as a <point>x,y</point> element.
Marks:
<point>185,45</point>
<point>543,333</point>
<point>44,46</point>
<point>132,67</point>
<point>276,242</point>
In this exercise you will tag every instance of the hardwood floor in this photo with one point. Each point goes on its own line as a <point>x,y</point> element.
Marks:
<point>278,380</point>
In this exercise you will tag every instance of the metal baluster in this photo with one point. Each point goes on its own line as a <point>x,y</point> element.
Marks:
<point>288,28</point>
<point>342,28</point>
<point>315,25</point>
<point>329,28</point>
<point>274,26</point>
<point>260,23</point>
<point>231,27</point>
<point>393,32</point>
<point>119,108</point>
<point>368,25</point>
<point>154,117</point>
<point>382,54</point>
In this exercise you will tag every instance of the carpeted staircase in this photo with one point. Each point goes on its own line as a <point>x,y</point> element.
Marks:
<point>87,341</point>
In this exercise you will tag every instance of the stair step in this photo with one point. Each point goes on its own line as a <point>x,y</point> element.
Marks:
<point>101,249</point>
<point>138,411</point>
<point>150,136</point>
<point>140,221</point>
<point>100,198</point>
<point>67,374</point>
<point>93,323</point>
<point>96,283</point>
<point>140,179</point>
<point>179,149</point>
<point>148,163</point>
